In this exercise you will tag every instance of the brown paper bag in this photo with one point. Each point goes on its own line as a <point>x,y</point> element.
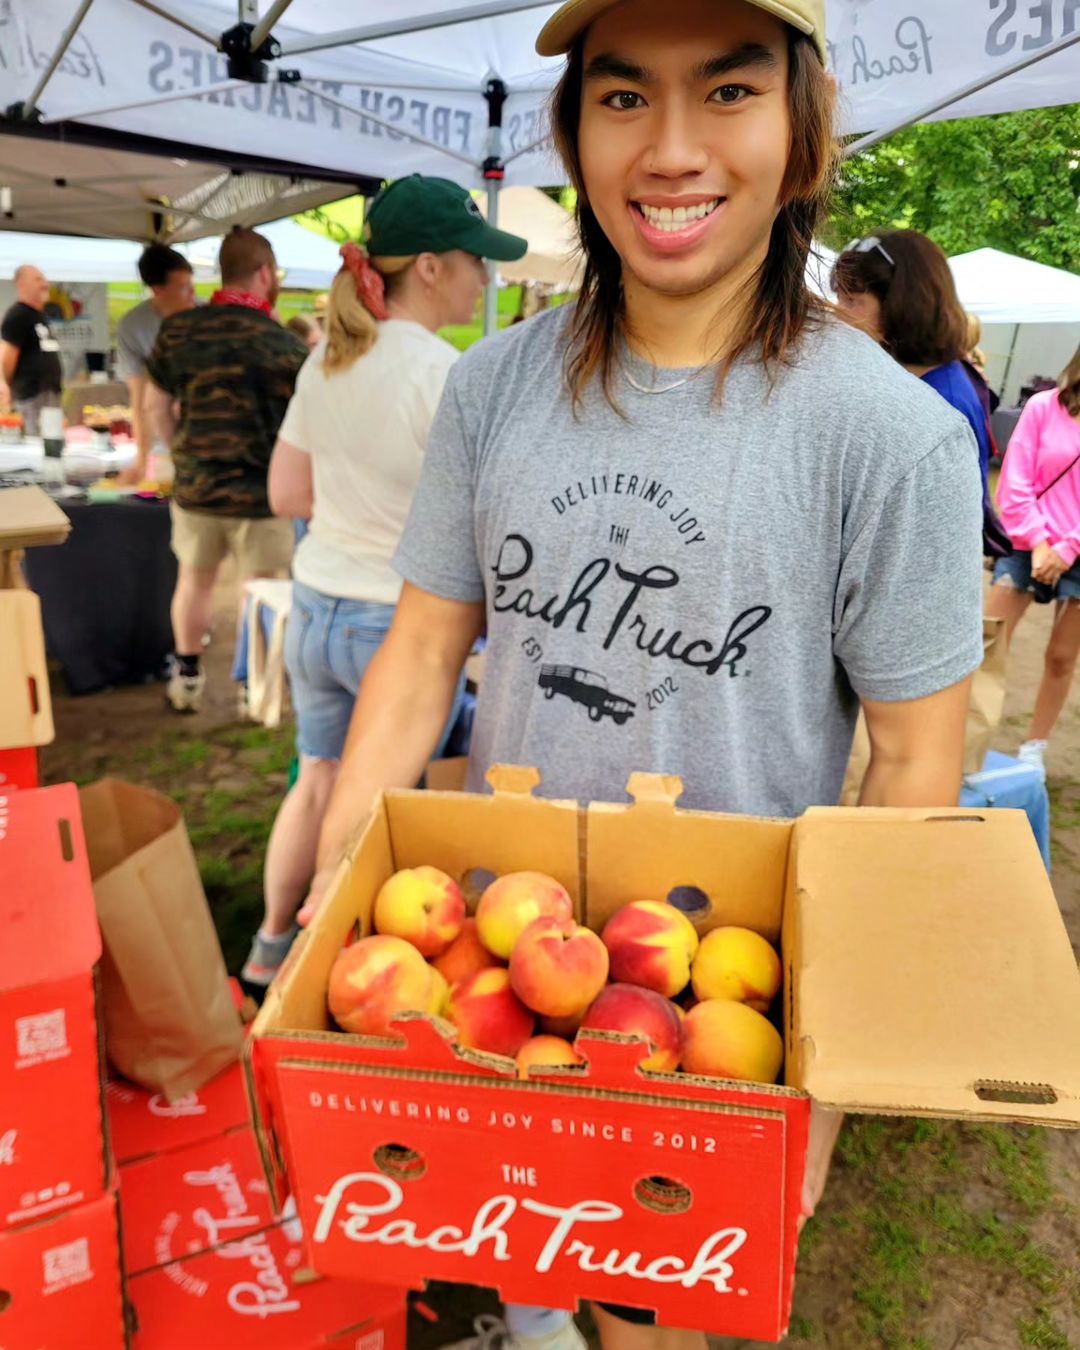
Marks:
<point>170,1023</point>
<point>984,715</point>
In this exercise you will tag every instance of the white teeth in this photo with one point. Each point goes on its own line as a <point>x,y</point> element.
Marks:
<point>670,219</point>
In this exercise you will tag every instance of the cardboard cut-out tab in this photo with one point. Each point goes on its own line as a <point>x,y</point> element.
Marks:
<point>513,779</point>
<point>948,929</point>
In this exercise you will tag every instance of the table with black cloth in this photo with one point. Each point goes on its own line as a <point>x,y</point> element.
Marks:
<point>105,593</point>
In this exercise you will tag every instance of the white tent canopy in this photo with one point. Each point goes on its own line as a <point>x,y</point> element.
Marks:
<point>308,261</point>
<point>552,259</point>
<point>386,87</point>
<point>1000,288</point>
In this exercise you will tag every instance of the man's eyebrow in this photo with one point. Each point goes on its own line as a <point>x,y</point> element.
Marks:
<point>749,55</point>
<point>608,66</point>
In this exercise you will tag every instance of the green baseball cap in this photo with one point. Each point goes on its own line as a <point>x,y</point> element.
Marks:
<point>432,215</point>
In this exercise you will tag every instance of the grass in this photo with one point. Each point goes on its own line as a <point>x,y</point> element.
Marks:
<point>937,1196</point>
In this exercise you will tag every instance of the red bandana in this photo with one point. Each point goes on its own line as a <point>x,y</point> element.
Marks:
<point>370,286</point>
<point>244,298</point>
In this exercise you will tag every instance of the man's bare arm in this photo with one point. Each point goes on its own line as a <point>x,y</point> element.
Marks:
<point>916,749</point>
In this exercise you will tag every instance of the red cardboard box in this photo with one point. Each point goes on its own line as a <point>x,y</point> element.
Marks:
<point>19,768</point>
<point>53,1152</point>
<point>245,1296</point>
<point>60,1282</point>
<point>190,1200</point>
<point>910,943</point>
<point>143,1123</point>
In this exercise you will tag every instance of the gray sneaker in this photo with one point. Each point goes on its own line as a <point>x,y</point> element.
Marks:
<point>266,955</point>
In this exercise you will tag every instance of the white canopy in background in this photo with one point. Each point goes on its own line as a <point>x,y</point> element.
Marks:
<point>552,258</point>
<point>383,101</point>
<point>1000,288</point>
<point>308,261</point>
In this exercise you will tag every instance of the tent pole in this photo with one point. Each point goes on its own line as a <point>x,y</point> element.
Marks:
<point>30,102</point>
<point>975,87</point>
<point>191,28</point>
<point>1009,359</point>
<point>418,23</point>
<point>494,171</point>
<point>266,23</point>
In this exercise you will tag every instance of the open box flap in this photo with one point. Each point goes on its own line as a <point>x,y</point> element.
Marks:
<point>25,708</point>
<point>934,972</point>
<point>717,869</point>
<point>47,915</point>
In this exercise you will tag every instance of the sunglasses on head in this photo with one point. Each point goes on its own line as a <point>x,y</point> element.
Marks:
<point>868,245</point>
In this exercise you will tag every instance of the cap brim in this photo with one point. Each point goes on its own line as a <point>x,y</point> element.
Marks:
<point>561,31</point>
<point>497,245</point>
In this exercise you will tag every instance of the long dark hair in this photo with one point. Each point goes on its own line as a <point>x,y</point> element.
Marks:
<point>922,320</point>
<point>784,304</point>
<point>1069,386</point>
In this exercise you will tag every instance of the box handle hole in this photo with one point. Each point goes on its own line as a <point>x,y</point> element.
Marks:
<point>35,702</point>
<point>5,1300</point>
<point>955,820</point>
<point>1020,1094</point>
<point>67,848</point>
<point>474,882</point>
<point>399,1162</point>
<point>691,901</point>
<point>662,1195</point>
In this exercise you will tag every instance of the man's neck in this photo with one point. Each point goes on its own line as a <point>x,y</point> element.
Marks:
<point>678,331</point>
<point>30,305</point>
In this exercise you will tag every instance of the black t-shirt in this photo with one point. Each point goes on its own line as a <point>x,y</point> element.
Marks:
<point>38,369</point>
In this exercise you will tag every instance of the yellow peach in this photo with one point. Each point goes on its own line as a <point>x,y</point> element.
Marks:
<point>541,1052</point>
<point>726,1039</point>
<point>512,902</point>
<point>465,955</point>
<point>422,905</point>
<point>374,980</point>
<point>736,963</point>
<point>558,967</point>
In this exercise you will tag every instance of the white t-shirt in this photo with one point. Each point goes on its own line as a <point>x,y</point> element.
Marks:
<point>366,430</point>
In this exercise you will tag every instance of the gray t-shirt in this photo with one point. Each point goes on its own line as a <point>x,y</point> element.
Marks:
<point>136,334</point>
<point>699,588</point>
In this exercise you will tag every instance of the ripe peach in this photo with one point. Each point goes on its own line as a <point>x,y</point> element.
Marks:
<point>487,1013</point>
<point>736,963</point>
<point>563,1027</point>
<point>542,1051</point>
<point>726,1039</point>
<point>465,955</point>
<point>651,944</point>
<point>377,978</point>
<point>558,967</point>
<point>510,904</point>
<point>644,1013</point>
<point>422,905</point>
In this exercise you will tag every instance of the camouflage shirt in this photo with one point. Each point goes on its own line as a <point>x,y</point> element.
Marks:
<point>232,370</point>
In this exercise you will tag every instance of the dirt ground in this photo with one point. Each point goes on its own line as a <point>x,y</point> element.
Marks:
<point>931,1236</point>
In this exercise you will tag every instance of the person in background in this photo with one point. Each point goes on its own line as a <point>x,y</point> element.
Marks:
<point>897,287</point>
<point>817,550</point>
<point>167,276</point>
<point>29,353</point>
<point>230,369</point>
<point>1038,499</point>
<point>307,328</point>
<point>348,457</point>
<point>974,363</point>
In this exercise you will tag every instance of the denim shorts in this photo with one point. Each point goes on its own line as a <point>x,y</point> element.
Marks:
<point>329,644</point>
<point>1015,571</point>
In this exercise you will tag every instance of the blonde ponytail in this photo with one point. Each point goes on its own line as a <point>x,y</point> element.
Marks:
<point>351,328</point>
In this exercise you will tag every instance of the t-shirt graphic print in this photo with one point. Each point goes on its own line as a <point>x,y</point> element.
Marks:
<point>697,586</point>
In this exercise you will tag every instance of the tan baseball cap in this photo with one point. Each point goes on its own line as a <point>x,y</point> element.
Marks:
<point>559,33</point>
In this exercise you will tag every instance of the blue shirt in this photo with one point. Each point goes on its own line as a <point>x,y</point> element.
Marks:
<point>954,385</point>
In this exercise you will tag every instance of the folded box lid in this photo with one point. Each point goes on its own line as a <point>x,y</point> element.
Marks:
<point>931,972</point>
<point>29,517</point>
<point>47,916</point>
<point>25,708</point>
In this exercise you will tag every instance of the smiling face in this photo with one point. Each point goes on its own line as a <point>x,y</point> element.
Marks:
<point>684,137</point>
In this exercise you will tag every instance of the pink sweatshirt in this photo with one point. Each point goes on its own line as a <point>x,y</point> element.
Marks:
<point>1045,442</point>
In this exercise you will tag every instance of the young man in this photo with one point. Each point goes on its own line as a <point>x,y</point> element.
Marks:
<point>29,353</point>
<point>167,276</point>
<point>696,483</point>
<point>231,368</point>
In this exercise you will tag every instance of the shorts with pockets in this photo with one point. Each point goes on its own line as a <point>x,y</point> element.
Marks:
<point>262,546</point>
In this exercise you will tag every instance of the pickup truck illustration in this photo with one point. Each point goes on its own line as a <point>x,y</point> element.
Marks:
<point>588,689</point>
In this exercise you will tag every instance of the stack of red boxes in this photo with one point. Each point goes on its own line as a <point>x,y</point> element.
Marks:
<point>207,1262</point>
<point>202,1247</point>
<point>60,1271</point>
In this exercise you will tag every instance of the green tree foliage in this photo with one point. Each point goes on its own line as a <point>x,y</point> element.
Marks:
<point>1010,182</point>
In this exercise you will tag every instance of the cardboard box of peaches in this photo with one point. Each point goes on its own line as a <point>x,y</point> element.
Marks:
<point>600,1086</point>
